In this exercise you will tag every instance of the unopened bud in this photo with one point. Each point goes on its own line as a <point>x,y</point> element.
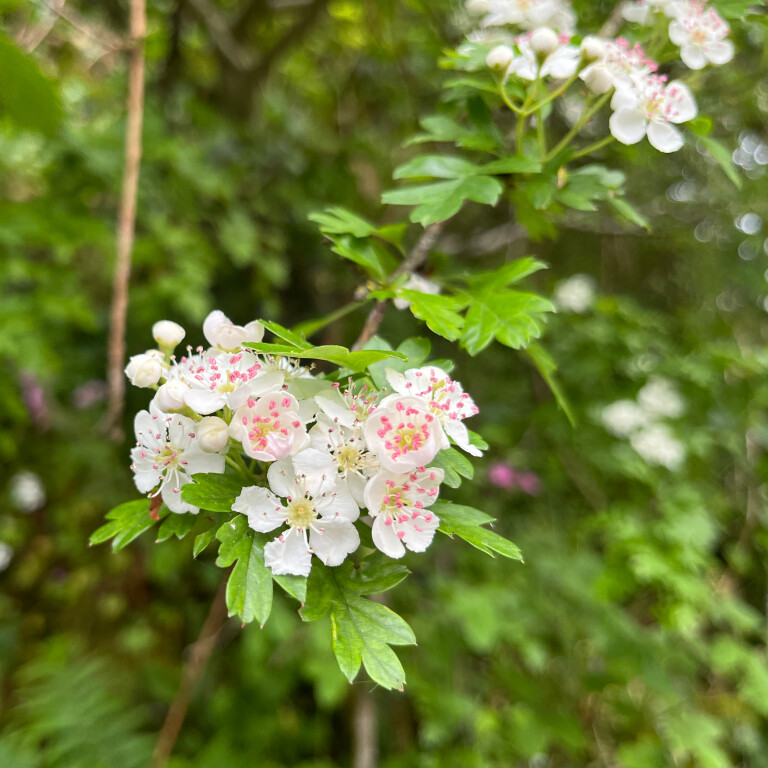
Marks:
<point>500,57</point>
<point>145,370</point>
<point>167,333</point>
<point>212,433</point>
<point>598,79</point>
<point>544,41</point>
<point>592,48</point>
<point>170,396</point>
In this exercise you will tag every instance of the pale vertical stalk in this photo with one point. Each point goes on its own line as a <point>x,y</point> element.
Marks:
<point>126,222</point>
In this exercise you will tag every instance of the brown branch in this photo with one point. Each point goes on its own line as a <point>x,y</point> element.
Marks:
<point>31,38</point>
<point>614,21</point>
<point>126,226</point>
<point>415,259</point>
<point>364,730</point>
<point>199,653</point>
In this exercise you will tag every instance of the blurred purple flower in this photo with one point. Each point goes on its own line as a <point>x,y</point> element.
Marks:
<point>35,400</point>
<point>504,475</point>
<point>88,394</point>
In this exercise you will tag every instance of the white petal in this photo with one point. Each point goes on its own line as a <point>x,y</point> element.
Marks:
<point>213,321</point>
<point>336,409</point>
<point>628,125</point>
<point>255,331</point>
<point>719,52</point>
<point>664,137</point>
<point>386,540</point>
<point>288,555</point>
<point>333,540</point>
<point>679,103</point>
<point>262,508</point>
<point>456,430</point>
<point>282,478</point>
<point>311,461</point>
<point>201,461</point>
<point>204,401</point>
<point>678,33</point>
<point>624,98</point>
<point>356,484</point>
<point>693,56</point>
<point>420,531</point>
<point>146,479</point>
<point>256,387</point>
<point>636,12</point>
<point>338,504</point>
<point>172,497</point>
<point>397,381</point>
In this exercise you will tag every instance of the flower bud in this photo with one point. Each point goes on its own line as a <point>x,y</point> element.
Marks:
<point>212,432</point>
<point>592,48</point>
<point>598,79</point>
<point>167,333</point>
<point>145,370</point>
<point>170,396</point>
<point>221,332</point>
<point>500,57</point>
<point>544,41</point>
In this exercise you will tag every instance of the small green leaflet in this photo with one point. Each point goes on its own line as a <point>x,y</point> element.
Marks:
<point>176,525</point>
<point>466,523</point>
<point>547,367</point>
<point>441,128</point>
<point>249,588</point>
<point>722,156</point>
<point>340,221</point>
<point>362,630</point>
<point>213,491</point>
<point>341,356</point>
<point>440,313</point>
<point>455,465</point>
<point>127,521</point>
<point>630,213</point>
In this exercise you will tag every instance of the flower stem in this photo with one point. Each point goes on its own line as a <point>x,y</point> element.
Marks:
<point>586,116</point>
<point>594,147</point>
<point>239,466</point>
<point>553,95</point>
<point>505,98</point>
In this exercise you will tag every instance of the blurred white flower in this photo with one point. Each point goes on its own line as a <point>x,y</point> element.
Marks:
<point>559,61</point>
<point>642,11</point>
<point>660,397</point>
<point>6,555</point>
<point>27,491</point>
<point>651,108</point>
<point>700,33</point>
<point>526,14</point>
<point>499,58</point>
<point>623,417</point>
<point>576,294</point>
<point>657,445</point>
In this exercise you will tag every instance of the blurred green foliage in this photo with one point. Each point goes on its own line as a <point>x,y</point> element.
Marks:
<point>634,635</point>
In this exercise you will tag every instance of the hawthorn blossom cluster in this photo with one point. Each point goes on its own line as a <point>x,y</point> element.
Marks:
<point>320,452</point>
<point>644,103</point>
<point>643,422</point>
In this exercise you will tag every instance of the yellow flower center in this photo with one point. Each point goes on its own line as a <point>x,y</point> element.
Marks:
<point>347,458</point>
<point>301,513</point>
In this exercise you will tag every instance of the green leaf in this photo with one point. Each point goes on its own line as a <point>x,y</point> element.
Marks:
<point>340,221</point>
<point>722,156</point>
<point>734,9</point>
<point>466,523</point>
<point>416,351</point>
<point>361,630</point>
<point>547,367</point>
<point>176,525</point>
<point>441,128</point>
<point>505,165</point>
<point>293,338</point>
<point>508,274</point>
<point>341,356</point>
<point>371,255</point>
<point>213,491</point>
<point>127,521</point>
<point>249,588</point>
<point>295,586</point>
<point>374,575</point>
<point>455,465</point>
<point>202,540</point>
<point>440,313</point>
<point>26,95</point>
<point>441,200</point>
<point>700,125</point>
<point>630,213</point>
<point>436,166</point>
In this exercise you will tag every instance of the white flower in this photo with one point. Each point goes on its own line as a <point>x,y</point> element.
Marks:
<point>398,505</point>
<point>657,445</point>
<point>217,379</point>
<point>575,294</point>
<point>620,65</point>
<point>527,14</point>
<point>270,427</point>
<point>213,434</point>
<point>445,398</point>
<point>146,369</point>
<point>6,555</point>
<point>700,32</point>
<point>170,395</point>
<point>167,454</point>
<point>339,451</point>
<point>404,434</point>
<point>417,282</point>
<point>221,332</point>
<point>623,417</point>
<point>651,109</point>
<point>660,397</point>
<point>318,514</point>
<point>27,491</point>
<point>561,63</point>
<point>499,58</point>
<point>167,333</point>
<point>642,11</point>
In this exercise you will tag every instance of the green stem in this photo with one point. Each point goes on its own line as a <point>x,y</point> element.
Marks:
<point>586,116</point>
<point>238,468</point>
<point>311,327</point>
<point>593,147</point>
<point>553,95</point>
<point>505,98</point>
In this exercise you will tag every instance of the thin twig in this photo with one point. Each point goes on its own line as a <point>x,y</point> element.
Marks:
<point>415,259</point>
<point>199,653</point>
<point>613,23</point>
<point>240,58</point>
<point>31,38</point>
<point>365,730</point>
<point>126,226</point>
